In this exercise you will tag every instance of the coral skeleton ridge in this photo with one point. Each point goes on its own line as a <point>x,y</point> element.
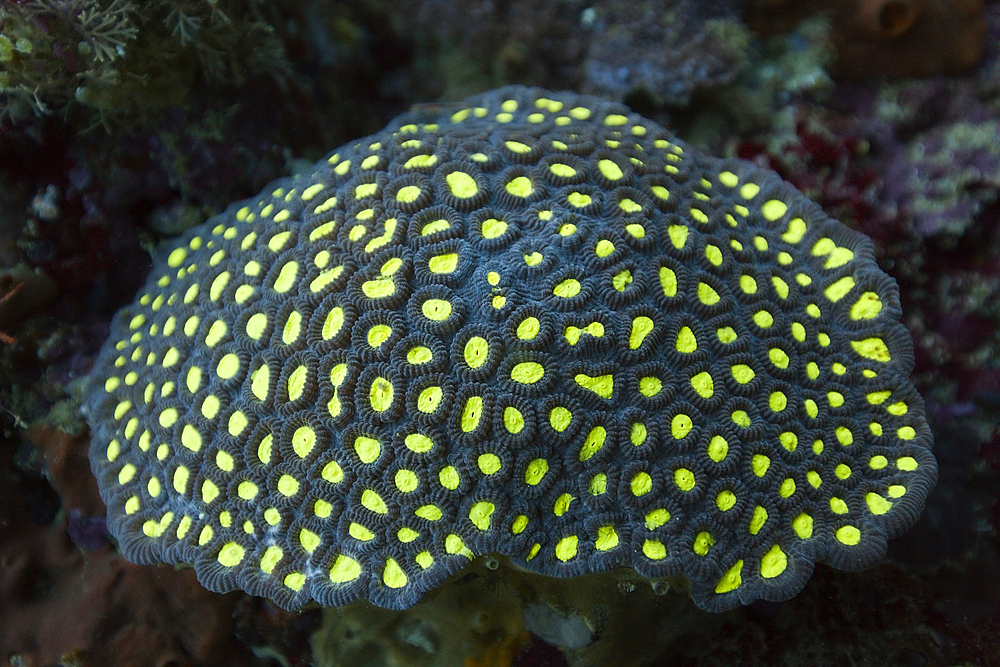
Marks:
<point>532,324</point>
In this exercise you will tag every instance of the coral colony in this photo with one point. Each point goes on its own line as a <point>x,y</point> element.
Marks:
<point>531,324</point>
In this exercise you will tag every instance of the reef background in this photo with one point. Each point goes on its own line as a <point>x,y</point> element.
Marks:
<point>123,123</point>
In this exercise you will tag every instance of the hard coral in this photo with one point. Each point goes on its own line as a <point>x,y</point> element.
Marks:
<point>476,44</point>
<point>893,38</point>
<point>665,50</point>
<point>531,324</point>
<point>657,51</point>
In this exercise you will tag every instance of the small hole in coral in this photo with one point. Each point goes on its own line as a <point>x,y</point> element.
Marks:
<point>661,588</point>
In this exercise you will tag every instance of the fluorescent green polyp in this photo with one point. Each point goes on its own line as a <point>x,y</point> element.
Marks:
<point>344,569</point>
<point>731,580</point>
<point>231,554</point>
<point>520,187</point>
<point>567,289</point>
<point>480,514</point>
<point>476,351</point>
<point>462,185</point>
<point>566,548</point>
<point>602,385</point>
<point>528,372</point>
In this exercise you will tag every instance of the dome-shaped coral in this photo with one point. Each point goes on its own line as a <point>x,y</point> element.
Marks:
<point>533,324</point>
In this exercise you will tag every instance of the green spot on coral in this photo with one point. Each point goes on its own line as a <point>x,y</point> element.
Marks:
<point>602,385</point>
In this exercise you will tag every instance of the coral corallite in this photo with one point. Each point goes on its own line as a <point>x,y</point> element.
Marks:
<point>531,324</point>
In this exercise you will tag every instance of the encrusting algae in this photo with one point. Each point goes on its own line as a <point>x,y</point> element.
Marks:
<point>531,324</point>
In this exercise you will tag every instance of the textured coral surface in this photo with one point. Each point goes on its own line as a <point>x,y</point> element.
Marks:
<point>535,325</point>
